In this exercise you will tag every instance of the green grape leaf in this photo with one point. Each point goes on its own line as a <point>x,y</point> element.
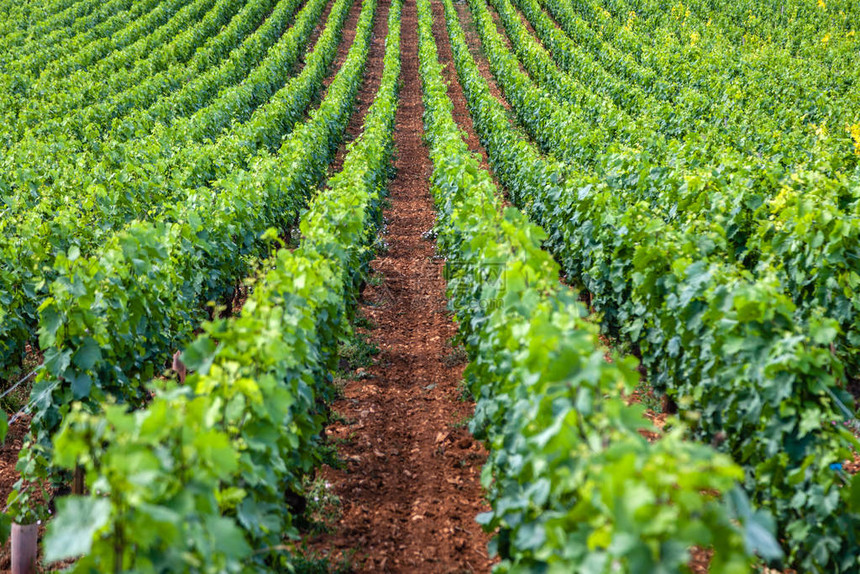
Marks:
<point>88,354</point>
<point>70,533</point>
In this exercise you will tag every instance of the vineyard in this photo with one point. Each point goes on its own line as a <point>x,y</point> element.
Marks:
<point>430,286</point>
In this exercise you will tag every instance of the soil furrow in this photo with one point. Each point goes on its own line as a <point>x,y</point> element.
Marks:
<point>347,36</point>
<point>411,487</point>
<point>370,83</point>
<point>315,35</point>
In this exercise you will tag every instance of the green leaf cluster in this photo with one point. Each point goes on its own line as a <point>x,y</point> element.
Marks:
<point>573,485</point>
<point>730,336</point>
<point>195,481</point>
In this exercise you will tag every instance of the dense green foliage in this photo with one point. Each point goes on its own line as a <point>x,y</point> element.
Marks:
<point>114,318</point>
<point>195,481</point>
<point>126,180</point>
<point>741,306</point>
<point>574,486</point>
<point>691,167</point>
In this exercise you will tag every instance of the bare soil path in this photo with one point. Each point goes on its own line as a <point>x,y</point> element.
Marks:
<point>411,487</point>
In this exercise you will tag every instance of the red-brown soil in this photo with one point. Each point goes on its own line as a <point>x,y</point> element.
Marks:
<point>372,77</point>
<point>410,490</point>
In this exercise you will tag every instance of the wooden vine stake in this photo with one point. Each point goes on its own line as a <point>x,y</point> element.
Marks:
<point>24,543</point>
<point>179,367</point>
<point>78,482</point>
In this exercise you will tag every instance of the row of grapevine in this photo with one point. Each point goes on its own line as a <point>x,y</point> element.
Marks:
<point>114,318</point>
<point>28,24</point>
<point>763,219</point>
<point>568,475</point>
<point>683,43</point>
<point>750,238</point>
<point>127,180</point>
<point>219,452</point>
<point>797,26</point>
<point>96,36</point>
<point>730,113</point>
<point>726,342</point>
<point>703,138</point>
<point>49,97</point>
